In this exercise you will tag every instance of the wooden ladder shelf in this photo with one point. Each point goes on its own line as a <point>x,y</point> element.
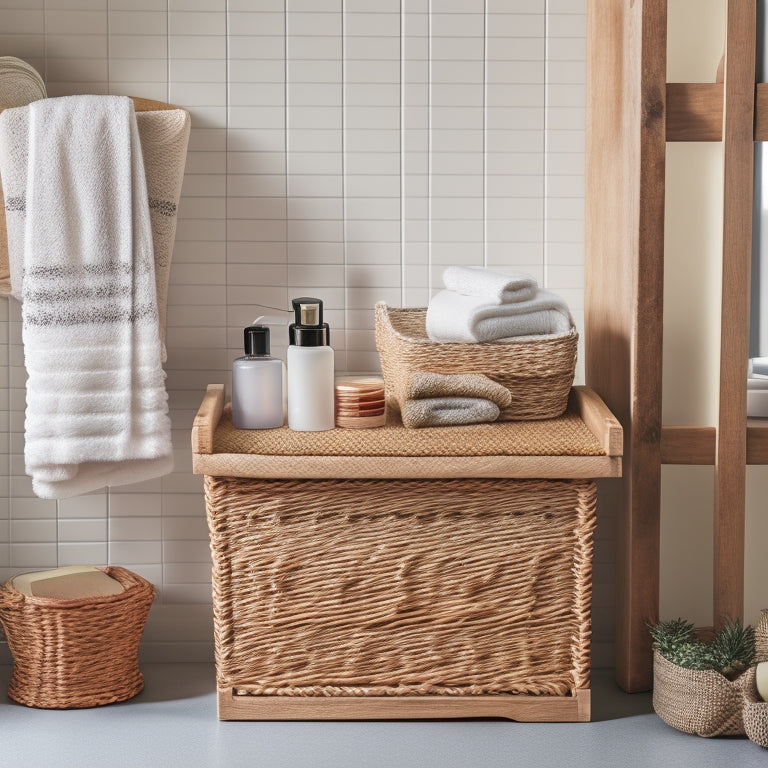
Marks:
<point>631,113</point>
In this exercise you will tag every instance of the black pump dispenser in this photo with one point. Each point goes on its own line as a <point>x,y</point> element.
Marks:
<point>256,340</point>
<point>308,330</point>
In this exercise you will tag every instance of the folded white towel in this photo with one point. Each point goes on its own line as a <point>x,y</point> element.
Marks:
<point>97,409</point>
<point>495,287</point>
<point>454,317</point>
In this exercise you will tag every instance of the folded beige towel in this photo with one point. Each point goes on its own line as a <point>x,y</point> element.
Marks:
<point>164,136</point>
<point>20,84</point>
<point>424,384</point>
<point>448,411</point>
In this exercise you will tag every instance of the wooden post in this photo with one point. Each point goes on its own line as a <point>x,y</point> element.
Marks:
<point>625,173</point>
<point>731,449</point>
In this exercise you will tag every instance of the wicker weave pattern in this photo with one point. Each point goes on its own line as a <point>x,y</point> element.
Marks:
<point>538,372</point>
<point>76,653</point>
<point>755,710</point>
<point>397,587</point>
<point>761,636</point>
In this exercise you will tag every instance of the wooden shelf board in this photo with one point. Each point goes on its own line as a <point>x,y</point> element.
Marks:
<point>207,417</point>
<point>406,467</point>
<point>697,445</point>
<point>761,112</point>
<point>688,445</point>
<point>599,420</point>
<point>757,441</point>
<point>539,709</point>
<point>596,416</point>
<point>695,112</point>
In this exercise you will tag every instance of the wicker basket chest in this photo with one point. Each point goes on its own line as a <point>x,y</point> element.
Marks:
<point>393,573</point>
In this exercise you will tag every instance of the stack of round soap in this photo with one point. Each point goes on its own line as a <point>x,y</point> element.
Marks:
<point>360,402</point>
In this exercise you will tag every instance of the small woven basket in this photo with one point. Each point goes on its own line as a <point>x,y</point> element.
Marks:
<point>76,653</point>
<point>755,710</point>
<point>538,372</point>
<point>401,587</point>
<point>698,701</point>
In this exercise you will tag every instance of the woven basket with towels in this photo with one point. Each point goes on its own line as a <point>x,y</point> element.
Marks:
<point>537,371</point>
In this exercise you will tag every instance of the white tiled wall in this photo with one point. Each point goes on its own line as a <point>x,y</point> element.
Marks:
<point>348,149</point>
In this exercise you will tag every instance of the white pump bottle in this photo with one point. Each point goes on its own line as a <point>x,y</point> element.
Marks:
<point>310,369</point>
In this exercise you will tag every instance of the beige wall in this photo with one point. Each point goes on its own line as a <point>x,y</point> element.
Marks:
<point>691,342</point>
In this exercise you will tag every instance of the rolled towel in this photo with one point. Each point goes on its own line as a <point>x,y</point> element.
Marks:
<point>494,287</point>
<point>447,411</point>
<point>452,316</point>
<point>424,384</point>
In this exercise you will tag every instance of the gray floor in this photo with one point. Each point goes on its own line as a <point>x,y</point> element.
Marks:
<point>173,723</point>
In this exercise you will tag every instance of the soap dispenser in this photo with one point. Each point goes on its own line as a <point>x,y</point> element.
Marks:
<point>257,383</point>
<point>310,369</point>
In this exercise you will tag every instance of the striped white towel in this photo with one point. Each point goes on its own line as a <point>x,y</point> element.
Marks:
<point>97,408</point>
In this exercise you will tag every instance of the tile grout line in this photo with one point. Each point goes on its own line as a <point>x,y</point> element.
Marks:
<point>344,212</point>
<point>485,133</point>
<point>160,598</point>
<point>286,134</point>
<point>402,155</point>
<point>429,152</point>
<point>545,158</point>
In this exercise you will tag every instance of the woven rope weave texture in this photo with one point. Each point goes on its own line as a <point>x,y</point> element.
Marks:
<point>76,653</point>
<point>397,587</point>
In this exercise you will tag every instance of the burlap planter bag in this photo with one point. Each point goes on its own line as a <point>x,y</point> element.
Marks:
<point>705,703</point>
<point>698,701</point>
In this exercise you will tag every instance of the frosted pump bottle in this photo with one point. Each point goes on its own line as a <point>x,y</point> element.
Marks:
<point>257,383</point>
<point>310,369</point>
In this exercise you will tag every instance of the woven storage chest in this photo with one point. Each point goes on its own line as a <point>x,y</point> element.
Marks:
<point>537,372</point>
<point>76,653</point>
<point>398,587</point>
<point>408,585</point>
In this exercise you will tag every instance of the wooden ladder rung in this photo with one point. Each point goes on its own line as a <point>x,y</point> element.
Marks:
<point>695,112</point>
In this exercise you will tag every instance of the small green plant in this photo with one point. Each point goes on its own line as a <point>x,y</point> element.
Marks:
<point>731,651</point>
